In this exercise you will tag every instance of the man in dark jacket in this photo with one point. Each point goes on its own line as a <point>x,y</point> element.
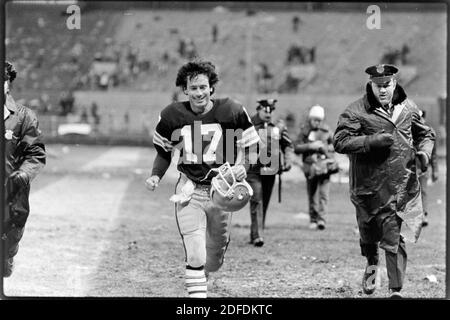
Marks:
<point>383,133</point>
<point>25,157</point>
<point>276,150</point>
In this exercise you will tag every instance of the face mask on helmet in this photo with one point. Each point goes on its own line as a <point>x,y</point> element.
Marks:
<point>226,192</point>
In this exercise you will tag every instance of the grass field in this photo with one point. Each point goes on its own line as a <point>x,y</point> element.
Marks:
<point>94,230</point>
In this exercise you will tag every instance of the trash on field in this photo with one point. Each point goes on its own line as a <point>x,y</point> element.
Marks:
<point>432,278</point>
<point>439,201</point>
<point>65,149</point>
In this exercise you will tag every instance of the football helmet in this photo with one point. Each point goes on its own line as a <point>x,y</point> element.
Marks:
<point>226,192</point>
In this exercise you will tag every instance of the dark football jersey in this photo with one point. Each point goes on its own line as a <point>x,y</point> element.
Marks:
<point>205,141</point>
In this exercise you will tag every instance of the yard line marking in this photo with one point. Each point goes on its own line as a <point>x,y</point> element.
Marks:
<point>65,236</point>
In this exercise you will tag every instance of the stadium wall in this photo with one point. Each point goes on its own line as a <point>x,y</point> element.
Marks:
<point>262,5</point>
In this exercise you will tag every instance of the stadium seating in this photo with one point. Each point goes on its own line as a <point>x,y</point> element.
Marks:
<point>146,46</point>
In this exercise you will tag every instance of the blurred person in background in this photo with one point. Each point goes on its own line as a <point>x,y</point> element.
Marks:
<point>25,157</point>
<point>315,144</point>
<point>261,177</point>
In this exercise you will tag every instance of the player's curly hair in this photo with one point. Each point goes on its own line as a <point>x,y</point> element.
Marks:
<point>10,71</point>
<point>194,68</point>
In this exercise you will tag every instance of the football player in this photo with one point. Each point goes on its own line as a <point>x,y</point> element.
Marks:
<point>208,133</point>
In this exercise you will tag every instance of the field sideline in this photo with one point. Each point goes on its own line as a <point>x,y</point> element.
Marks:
<point>94,230</point>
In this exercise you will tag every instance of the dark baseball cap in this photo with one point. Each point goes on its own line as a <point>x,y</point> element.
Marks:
<point>266,103</point>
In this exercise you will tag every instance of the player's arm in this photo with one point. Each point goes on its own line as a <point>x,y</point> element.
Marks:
<point>164,147</point>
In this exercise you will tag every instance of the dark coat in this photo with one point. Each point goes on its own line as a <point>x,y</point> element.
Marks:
<point>384,182</point>
<point>282,151</point>
<point>24,150</point>
<point>308,135</point>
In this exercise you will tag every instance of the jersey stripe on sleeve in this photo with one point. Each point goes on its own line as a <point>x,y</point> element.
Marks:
<point>164,143</point>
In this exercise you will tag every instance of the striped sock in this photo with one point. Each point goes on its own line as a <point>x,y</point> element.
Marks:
<point>196,283</point>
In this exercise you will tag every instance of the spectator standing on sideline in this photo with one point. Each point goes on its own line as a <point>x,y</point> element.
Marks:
<point>276,146</point>
<point>315,143</point>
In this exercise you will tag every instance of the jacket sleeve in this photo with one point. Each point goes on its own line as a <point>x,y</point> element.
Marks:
<point>287,147</point>
<point>330,147</point>
<point>348,137</point>
<point>422,134</point>
<point>301,145</point>
<point>31,148</point>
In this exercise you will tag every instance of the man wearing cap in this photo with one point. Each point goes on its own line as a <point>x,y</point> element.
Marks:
<point>276,146</point>
<point>315,143</point>
<point>383,134</point>
<point>25,157</point>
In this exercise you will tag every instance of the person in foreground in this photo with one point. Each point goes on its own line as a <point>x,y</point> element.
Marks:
<point>215,138</point>
<point>25,157</point>
<point>383,134</point>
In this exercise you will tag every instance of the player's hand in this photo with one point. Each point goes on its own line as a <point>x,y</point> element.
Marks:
<point>423,159</point>
<point>239,172</point>
<point>380,140</point>
<point>152,183</point>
